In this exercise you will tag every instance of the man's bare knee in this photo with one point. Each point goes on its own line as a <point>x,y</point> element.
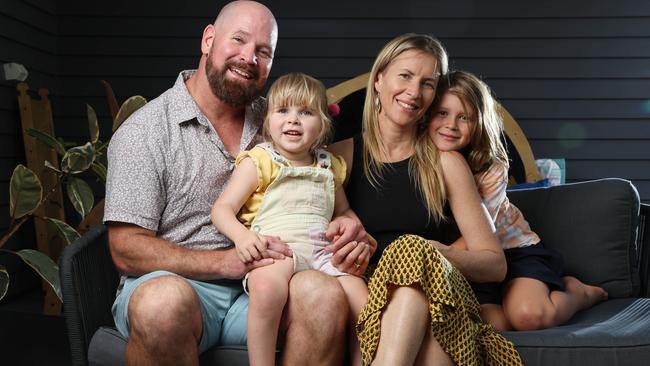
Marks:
<point>317,291</point>
<point>315,320</point>
<point>164,307</point>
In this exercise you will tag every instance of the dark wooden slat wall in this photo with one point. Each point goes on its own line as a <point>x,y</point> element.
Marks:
<point>576,75</point>
<point>28,35</point>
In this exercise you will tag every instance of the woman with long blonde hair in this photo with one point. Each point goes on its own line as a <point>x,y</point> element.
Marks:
<point>420,309</point>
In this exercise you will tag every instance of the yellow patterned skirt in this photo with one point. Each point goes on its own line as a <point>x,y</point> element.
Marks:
<point>454,310</point>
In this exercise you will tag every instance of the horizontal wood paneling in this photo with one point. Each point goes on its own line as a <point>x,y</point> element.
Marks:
<point>370,9</point>
<point>34,14</point>
<point>369,47</point>
<point>563,128</point>
<point>575,74</point>
<point>577,109</point>
<point>592,169</point>
<point>110,27</point>
<point>28,35</point>
<point>592,149</point>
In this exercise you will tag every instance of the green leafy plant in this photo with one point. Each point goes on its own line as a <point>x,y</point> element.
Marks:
<point>26,192</point>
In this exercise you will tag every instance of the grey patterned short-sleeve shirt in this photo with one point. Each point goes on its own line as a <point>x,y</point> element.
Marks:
<point>167,166</point>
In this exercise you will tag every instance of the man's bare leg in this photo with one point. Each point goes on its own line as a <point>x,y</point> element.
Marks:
<point>314,321</point>
<point>165,323</point>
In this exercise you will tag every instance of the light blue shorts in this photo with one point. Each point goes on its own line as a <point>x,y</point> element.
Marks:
<point>224,307</point>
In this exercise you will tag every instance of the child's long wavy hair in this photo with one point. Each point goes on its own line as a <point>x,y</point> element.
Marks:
<point>486,141</point>
<point>424,168</point>
<point>298,89</point>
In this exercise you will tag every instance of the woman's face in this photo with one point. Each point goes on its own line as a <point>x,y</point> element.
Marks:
<point>406,88</point>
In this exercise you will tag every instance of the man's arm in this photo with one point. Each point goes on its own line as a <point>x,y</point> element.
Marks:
<point>137,251</point>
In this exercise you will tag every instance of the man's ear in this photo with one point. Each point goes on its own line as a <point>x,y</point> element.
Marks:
<point>208,38</point>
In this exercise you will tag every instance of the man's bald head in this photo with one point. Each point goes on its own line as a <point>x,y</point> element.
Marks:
<point>233,9</point>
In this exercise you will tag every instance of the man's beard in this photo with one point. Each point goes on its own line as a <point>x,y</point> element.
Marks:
<point>232,92</point>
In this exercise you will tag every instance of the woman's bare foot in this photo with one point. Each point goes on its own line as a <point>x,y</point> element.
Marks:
<point>586,295</point>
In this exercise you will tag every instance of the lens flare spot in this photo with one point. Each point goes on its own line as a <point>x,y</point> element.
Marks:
<point>572,135</point>
<point>645,107</point>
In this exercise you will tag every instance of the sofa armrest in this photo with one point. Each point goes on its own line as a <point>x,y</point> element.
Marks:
<point>89,282</point>
<point>643,245</point>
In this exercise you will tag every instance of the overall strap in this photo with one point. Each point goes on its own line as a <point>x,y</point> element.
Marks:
<point>277,158</point>
<point>323,159</point>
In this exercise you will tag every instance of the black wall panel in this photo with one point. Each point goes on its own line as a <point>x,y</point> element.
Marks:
<point>576,75</point>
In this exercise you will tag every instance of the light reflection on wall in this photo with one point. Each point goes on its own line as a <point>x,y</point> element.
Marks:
<point>571,135</point>
<point>645,107</point>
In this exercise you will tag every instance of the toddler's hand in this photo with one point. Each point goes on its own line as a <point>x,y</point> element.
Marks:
<point>251,246</point>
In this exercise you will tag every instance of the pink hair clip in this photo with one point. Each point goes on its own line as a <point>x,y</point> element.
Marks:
<point>334,109</point>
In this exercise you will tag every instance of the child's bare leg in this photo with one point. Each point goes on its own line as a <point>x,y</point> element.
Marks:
<point>586,295</point>
<point>529,304</point>
<point>356,292</point>
<point>268,288</point>
<point>493,314</point>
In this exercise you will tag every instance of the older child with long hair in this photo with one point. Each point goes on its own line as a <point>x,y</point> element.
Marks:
<point>534,294</point>
<point>291,188</point>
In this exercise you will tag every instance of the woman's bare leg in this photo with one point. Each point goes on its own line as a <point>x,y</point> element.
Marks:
<point>356,292</point>
<point>404,326</point>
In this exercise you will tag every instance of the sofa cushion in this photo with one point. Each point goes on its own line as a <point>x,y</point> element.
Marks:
<point>615,332</point>
<point>594,225</point>
<point>107,348</point>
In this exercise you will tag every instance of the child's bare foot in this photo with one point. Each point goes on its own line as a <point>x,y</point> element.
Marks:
<point>586,295</point>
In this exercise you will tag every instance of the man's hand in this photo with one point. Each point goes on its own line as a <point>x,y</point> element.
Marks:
<point>276,249</point>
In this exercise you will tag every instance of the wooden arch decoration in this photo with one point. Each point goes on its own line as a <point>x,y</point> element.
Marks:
<point>516,135</point>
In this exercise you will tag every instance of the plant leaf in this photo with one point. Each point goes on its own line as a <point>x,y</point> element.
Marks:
<point>25,192</point>
<point>51,166</point>
<point>78,159</point>
<point>100,171</point>
<point>93,126</point>
<point>65,231</point>
<point>101,147</point>
<point>128,107</point>
<point>81,195</point>
<point>44,266</point>
<point>4,282</point>
<point>47,140</point>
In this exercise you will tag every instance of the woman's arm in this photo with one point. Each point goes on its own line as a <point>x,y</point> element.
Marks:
<point>483,261</point>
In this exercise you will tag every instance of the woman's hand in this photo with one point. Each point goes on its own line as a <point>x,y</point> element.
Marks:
<point>351,246</point>
<point>352,258</point>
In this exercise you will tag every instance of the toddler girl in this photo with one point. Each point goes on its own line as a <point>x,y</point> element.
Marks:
<point>290,188</point>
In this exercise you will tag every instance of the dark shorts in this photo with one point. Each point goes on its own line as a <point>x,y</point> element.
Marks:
<point>534,261</point>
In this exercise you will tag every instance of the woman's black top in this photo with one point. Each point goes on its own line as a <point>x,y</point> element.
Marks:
<point>394,208</point>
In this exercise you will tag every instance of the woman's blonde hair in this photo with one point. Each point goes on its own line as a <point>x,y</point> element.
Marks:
<point>486,140</point>
<point>424,168</point>
<point>298,89</point>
